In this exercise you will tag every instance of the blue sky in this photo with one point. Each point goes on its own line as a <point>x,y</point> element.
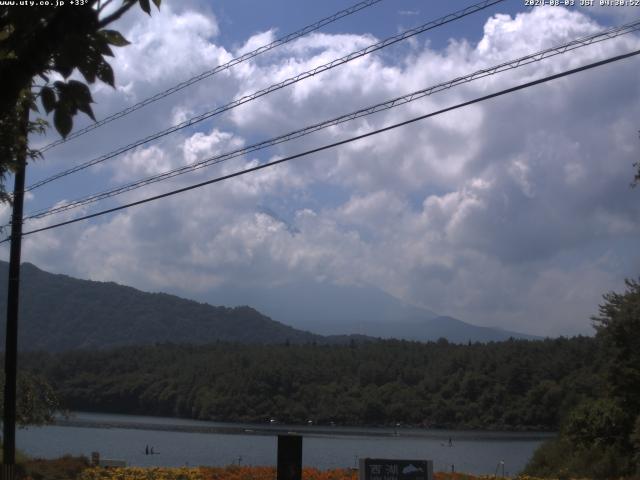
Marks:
<point>513,213</point>
<point>241,19</point>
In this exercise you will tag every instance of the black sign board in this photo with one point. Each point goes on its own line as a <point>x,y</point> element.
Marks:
<point>389,469</point>
<point>289,457</point>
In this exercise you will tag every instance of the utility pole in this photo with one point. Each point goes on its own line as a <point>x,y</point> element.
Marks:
<point>13,295</point>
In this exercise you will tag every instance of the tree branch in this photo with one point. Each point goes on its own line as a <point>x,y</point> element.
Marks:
<point>116,15</point>
<point>103,5</point>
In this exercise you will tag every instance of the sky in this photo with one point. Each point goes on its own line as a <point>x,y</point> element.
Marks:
<point>516,212</point>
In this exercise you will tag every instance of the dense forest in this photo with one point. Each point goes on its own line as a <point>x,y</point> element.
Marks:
<point>516,384</point>
<point>600,437</point>
<point>587,389</point>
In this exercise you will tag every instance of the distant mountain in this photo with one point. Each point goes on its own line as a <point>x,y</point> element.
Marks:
<point>456,331</point>
<point>329,309</point>
<point>323,307</point>
<point>58,312</point>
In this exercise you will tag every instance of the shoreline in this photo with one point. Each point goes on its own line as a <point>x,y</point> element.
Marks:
<point>192,426</point>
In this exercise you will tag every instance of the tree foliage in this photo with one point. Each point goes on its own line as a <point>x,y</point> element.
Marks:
<point>14,138</point>
<point>618,327</point>
<point>36,401</point>
<point>636,178</point>
<point>601,437</point>
<point>438,384</point>
<point>39,43</point>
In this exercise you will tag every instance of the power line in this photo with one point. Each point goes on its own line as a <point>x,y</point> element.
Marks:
<point>525,60</point>
<point>272,88</point>
<point>335,144</point>
<point>233,62</point>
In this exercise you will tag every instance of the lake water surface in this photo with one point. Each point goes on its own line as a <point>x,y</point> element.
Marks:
<point>179,442</point>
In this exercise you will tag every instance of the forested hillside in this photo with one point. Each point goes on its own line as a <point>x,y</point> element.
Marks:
<point>58,312</point>
<point>508,385</point>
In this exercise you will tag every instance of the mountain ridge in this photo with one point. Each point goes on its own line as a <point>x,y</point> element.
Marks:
<point>328,309</point>
<point>59,312</point>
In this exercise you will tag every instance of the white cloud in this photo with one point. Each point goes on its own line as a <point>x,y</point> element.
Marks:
<point>144,162</point>
<point>200,145</point>
<point>512,212</point>
<point>167,47</point>
<point>256,41</point>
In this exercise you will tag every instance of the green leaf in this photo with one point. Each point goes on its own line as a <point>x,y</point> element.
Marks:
<point>80,92</point>
<point>5,33</point>
<point>144,5</point>
<point>31,102</point>
<point>89,66</point>
<point>114,37</point>
<point>63,67</point>
<point>48,99</point>
<point>157,3</point>
<point>63,121</point>
<point>101,46</point>
<point>70,53</point>
<point>105,73</point>
<point>88,71</point>
<point>86,108</point>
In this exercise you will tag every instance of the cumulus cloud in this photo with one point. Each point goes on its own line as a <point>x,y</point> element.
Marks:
<point>167,47</point>
<point>512,212</point>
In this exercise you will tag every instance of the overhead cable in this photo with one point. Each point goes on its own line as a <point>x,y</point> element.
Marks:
<point>509,65</point>
<point>272,88</point>
<point>231,63</point>
<point>335,144</point>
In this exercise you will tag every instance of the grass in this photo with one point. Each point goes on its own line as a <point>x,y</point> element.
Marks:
<point>64,468</point>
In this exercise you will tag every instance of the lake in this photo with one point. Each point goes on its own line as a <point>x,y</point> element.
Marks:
<point>179,442</point>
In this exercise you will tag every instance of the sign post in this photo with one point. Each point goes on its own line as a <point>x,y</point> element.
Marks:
<point>289,457</point>
<point>389,469</point>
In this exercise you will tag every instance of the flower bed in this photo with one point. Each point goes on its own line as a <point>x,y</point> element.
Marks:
<point>234,473</point>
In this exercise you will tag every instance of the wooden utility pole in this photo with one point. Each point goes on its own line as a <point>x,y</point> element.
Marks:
<point>13,295</point>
